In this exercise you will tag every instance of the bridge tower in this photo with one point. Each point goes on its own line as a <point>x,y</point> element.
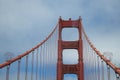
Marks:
<point>78,68</point>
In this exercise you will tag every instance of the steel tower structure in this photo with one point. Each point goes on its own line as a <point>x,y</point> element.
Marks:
<point>78,68</point>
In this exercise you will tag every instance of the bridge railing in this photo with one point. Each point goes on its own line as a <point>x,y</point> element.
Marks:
<point>38,63</point>
<point>97,66</point>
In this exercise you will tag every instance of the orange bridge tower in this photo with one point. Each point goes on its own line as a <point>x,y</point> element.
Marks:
<point>78,68</point>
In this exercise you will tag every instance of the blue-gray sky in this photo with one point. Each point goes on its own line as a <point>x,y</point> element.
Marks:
<point>24,23</point>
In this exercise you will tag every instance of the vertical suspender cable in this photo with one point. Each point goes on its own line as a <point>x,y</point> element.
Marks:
<point>50,58</point>
<point>102,70</point>
<point>18,73</point>
<point>45,61</point>
<point>91,64</point>
<point>41,56</point>
<point>108,71</point>
<point>7,72</point>
<point>95,67</point>
<point>26,69</point>
<point>92,57</point>
<point>86,56</point>
<point>87,59</point>
<point>45,58</point>
<point>98,68</point>
<point>46,64</point>
<point>37,64</point>
<point>51,54</point>
<point>88,62</point>
<point>41,63</point>
<point>47,73</point>
<point>90,54</point>
<point>32,65</point>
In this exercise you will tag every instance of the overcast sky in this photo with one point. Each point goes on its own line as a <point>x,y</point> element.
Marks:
<point>24,23</point>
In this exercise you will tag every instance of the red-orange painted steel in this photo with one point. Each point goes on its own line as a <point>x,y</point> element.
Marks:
<point>77,69</point>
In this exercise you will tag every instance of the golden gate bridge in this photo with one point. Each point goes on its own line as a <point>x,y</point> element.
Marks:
<point>45,60</point>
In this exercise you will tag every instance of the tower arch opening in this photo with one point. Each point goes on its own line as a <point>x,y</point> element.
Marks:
<point>70,34</point>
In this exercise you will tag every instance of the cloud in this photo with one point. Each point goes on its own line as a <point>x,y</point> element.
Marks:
<point>30,18</point>
<point>23,22</point>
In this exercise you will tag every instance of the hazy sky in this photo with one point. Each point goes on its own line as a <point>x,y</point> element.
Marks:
<point>24,23</point>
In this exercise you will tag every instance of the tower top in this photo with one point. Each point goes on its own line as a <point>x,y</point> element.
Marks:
<point>70,19</point>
